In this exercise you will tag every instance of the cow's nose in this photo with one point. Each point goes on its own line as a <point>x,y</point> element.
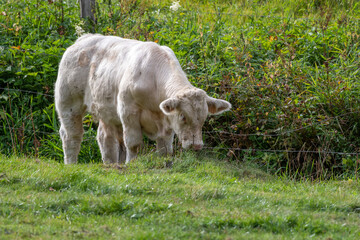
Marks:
<point>197,147</point>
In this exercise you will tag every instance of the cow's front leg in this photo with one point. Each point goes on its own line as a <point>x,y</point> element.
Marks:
<point>130,119</point>
<point>133,140</point>
<point>164,145</point>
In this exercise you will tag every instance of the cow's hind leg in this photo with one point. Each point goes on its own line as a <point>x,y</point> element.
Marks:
<point>111,143</point>
<point>71,133</point>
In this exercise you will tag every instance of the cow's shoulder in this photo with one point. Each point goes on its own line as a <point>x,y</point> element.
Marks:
<point>169,51</point>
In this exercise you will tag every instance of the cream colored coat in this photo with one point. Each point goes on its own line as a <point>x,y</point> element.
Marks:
<point>132,88</point>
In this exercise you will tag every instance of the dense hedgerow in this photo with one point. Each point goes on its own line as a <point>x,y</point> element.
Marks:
<point>292,74</point>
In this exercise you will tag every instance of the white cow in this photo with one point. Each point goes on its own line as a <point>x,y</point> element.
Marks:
<point>132,88</point>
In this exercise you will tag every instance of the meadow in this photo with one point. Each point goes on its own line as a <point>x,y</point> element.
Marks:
<point>283,164</point>
<point>195,198</point>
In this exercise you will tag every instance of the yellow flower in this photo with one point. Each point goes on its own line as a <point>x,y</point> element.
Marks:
<point>272,38</point>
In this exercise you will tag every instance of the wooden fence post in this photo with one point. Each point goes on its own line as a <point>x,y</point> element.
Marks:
<point>88,10</point>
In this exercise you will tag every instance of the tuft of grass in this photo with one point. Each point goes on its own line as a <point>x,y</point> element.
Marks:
<point>191,198</point>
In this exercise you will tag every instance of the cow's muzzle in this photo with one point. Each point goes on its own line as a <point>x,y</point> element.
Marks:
<point>197,146</point>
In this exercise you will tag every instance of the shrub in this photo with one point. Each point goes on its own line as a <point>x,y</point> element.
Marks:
<point>291,74</point>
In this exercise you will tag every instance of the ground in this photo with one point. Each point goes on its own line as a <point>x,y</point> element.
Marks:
<point>187,197</point>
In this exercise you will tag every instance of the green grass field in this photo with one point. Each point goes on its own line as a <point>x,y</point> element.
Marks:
<point>290,70</point>
<point>186,197</point>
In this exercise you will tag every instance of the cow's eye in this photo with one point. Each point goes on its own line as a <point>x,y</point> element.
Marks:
<point>182,118</point>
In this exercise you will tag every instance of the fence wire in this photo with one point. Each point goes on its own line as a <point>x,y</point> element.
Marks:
<point>222,13</point>
<point>283,151</point>
<point>232,149</point>
<point>93,138</point>
<point>26,91</point>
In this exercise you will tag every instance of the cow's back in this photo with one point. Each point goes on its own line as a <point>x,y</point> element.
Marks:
<point>95,68</point>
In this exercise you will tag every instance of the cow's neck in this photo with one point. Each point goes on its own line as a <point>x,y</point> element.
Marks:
<point>176,83</point>
<point>173,90</point>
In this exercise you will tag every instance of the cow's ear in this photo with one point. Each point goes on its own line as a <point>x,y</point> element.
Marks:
<point>169,106</point>
<point>217,106</point>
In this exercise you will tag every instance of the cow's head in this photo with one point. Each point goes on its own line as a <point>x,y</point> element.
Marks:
<point>187,113</point>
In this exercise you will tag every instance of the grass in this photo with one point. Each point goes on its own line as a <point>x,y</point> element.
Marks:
<point>197,197</point>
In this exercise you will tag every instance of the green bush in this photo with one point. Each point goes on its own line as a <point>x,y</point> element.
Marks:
<point>291,74</point>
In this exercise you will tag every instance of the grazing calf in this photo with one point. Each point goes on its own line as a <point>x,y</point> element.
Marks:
<point>132,88</point>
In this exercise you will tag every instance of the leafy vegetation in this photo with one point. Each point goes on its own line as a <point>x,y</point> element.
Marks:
<point>291,74</point>
<point>195,198</point>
